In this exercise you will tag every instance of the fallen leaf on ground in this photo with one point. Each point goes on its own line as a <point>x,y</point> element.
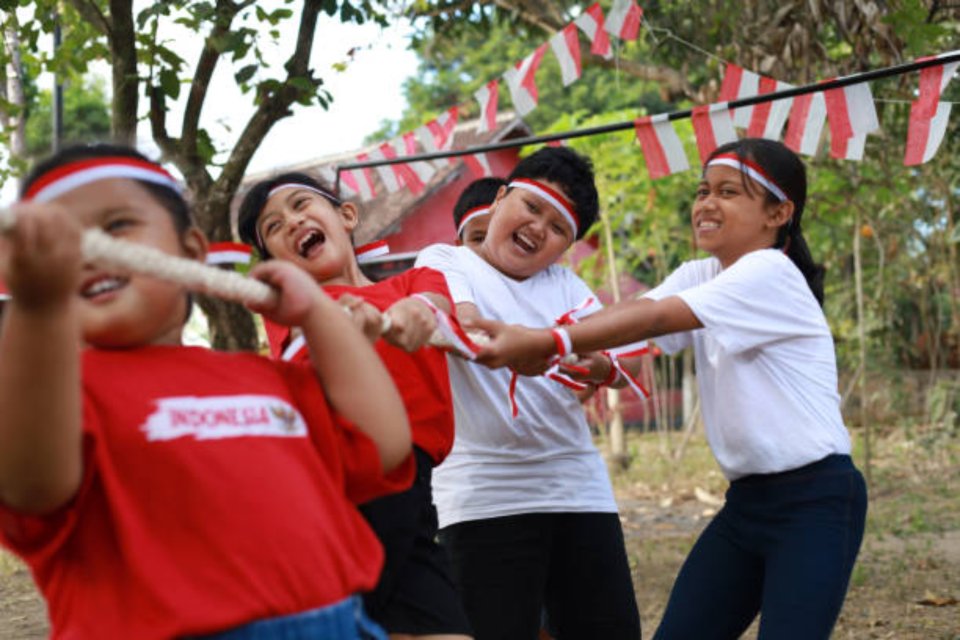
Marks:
<point>932,600</point>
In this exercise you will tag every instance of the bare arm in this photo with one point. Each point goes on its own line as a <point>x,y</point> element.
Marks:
<point>41,463</point>
<point>356,383</point>
<point>529,350</point>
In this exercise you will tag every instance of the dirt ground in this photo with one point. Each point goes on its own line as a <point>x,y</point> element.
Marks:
<point>905,586</point>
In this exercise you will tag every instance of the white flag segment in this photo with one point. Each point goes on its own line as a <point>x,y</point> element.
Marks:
<point>933,81</point>
<point>403,173</point>
<point>712,126</point>
<point>623,19</point>
<point>521,81</point>
<point>362,179</point>
<point>924,134</point>
<point>850,111</point>
<point>848,149</point>
<point>808,114</point>
<point>330,176</point>
<point>424,170</point>
<point>738,83</point>
<point>229,253</point>
<point>488,96</point>
<point>566,47</point>
<point>591,23</point>
<point>479,165</point>
<point>768,118</point>
<point>662,149</point>
<point>387,175</point>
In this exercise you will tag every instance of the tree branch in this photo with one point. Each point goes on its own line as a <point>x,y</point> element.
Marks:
<point>92,14</point>
<point>126,83</point>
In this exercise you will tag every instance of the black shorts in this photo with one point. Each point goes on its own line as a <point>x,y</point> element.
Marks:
<point>416,593</point>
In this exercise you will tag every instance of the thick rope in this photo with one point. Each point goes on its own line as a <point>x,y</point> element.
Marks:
<point>100,248</point>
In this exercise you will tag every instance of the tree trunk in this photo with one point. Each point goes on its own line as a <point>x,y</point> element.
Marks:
<point>126,82</point>
<point>618,449</point>
<point>231,325</point>
<point>14,92</point>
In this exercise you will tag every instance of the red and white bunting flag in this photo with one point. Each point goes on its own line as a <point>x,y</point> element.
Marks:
<point>361,180</point>
<point>522,82</point>
<point>768,118</point>
<point>479,165</point>
<point>807,117</point>
<point>487,96</point>
<point>662,148</point>
<point>738,83</point>
<point>623,19</point>
<point>933,80</point>
<point>925,134</point>
<point>851,115</point>
<point>402,173</point>
<point>229,253</point>
<point>566,46</point>
<point>330,176</point>
<point>390,179</point>
<point>712,127</point>
<point>437,135</point>
<point>848,149</point>
<point>424,170</point>
<point>367,252</point>
<point>591,23</point>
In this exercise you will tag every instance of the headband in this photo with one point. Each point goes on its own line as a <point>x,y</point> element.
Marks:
<point>72,175</point>
<point>559,202</point>
<point>476,212</point>
<point>751,169</point>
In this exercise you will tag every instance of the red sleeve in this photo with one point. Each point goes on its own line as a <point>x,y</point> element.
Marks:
<point>36,537</point>
<point>351,455</point>
<point>427,280</point>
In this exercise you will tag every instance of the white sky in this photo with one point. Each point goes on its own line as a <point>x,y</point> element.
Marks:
<point>366,93</point>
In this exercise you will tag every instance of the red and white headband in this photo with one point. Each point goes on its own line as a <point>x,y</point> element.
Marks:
<point>73,175</point>
<point>751,169</point>
<point>559,202</point>
<point>296,185</point>
<point>471,214</point>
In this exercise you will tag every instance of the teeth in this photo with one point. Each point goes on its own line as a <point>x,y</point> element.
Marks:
<point>102,286</point>
<point>708,225</point>
<point>525,242</point>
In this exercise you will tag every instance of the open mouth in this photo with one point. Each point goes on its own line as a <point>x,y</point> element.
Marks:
<point>707,225</point>
<point>524,243</point>
<point>310,241</point>
<point>102,285</point>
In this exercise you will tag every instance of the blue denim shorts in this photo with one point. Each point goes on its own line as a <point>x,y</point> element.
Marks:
<point>344,620</point>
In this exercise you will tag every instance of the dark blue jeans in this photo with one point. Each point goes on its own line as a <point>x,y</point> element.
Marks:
<point>344,620</point>
<point>783,545</point>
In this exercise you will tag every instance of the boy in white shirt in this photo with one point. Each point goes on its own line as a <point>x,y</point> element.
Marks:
<point>525,503</point>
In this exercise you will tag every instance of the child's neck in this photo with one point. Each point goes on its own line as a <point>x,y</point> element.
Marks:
<point>349,276</point>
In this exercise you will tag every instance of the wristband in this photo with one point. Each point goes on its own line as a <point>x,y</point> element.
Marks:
<point>614,373</point>
<point>562,339</point>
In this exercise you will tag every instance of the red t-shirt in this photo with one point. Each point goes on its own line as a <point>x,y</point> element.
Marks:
<point>217,490</point>
<point>421,376</point>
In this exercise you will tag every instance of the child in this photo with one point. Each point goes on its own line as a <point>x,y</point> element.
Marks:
<point>525,502</point>
<point>471,213</point>
<point>296,218</point>
<point>785,542</point>
<point>161,491</point>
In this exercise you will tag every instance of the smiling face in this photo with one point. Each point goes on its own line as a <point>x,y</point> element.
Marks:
<point>730,219</point>
<point>526,234</point>
<point>303,227</point>
<point>119,310</point>
<point>475,232</point>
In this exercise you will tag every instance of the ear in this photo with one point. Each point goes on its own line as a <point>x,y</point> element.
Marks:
<point>501,194</point>
<point>350,215</point>
<point>781,214</point>
<point>194,244</point>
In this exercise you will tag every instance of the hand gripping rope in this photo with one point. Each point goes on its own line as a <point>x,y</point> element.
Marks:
<point>104,250</point>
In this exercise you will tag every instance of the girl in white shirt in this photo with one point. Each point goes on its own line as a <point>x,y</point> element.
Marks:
<point>786,540</point>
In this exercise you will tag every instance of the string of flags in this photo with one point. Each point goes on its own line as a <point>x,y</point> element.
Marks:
<point>847,113</point>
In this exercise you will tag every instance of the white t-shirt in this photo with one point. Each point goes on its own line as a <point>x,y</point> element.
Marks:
<point>765,363</point>
<point>543,460</point>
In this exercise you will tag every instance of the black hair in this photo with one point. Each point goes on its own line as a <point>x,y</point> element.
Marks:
<point>788,172</point>
<point>256,198</point>
<point>570,170</point>
<point>478,193</point>
<point>169,198</point>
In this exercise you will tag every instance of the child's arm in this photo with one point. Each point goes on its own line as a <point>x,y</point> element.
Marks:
<point>528,351</point>
<point>40,395</point>
<point>356,383</point>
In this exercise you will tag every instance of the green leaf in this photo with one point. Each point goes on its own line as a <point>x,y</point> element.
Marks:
<point>244,74</point>
<point>170,83</point>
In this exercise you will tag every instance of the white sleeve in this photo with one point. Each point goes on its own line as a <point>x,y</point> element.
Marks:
<point>681,279</point>
<point>762,298</point>
<point>445,259</point>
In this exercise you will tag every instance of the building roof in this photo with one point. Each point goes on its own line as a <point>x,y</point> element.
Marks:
<point>383,214</point>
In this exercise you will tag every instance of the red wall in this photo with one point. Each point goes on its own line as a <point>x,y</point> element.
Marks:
<point>433,222</point>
